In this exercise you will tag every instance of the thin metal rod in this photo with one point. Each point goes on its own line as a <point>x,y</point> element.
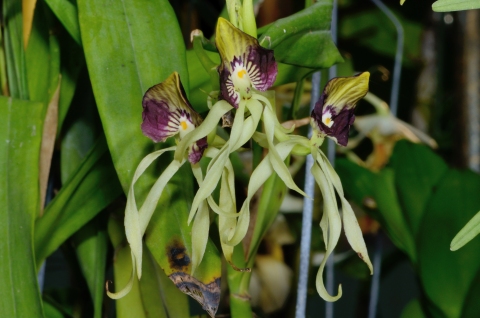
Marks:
<point>307,216</point>
<point>375,287</point>
<point>330,266</point>
<point>397,68</point>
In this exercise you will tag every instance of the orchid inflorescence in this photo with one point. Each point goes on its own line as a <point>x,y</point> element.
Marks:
<point>246,72</point>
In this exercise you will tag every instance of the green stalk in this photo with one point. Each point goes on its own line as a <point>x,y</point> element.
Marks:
<point>239,282</point>
<point>249,23</point>
<point>207,63</point>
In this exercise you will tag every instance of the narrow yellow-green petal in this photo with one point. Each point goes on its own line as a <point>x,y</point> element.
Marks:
<point>127,288</point>
<point>350,223</point>
<point>133,229</point>
<point>200,229</point>
<point>467,233</point>
<point>331,226</point>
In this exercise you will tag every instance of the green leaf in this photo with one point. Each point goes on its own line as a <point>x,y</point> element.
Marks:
<point>455,5</point>
<point>304,38</point>
<point>417,172</point>
<point>72,65</point>
<point>130,47</point>
<point>471,307</point>
<point>374,30</point>
<point>446,277</point>
<point>20,132</point>
<point>67,12</point>
<point>14,51</point>
<point>413,310</point>
<point>82,128</point>
<point>89,190</point>
<point>160,297</point>
<point>51,311</point>
<point>42,56</point>
<point>91,250</point>
<point>467,233</point>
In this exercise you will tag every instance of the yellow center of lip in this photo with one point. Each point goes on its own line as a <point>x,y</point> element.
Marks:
<point>327,121</point>
<point>184,125</point>
<point>242,73</point>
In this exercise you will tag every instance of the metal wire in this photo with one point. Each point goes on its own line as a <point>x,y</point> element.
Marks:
<point>307,216</point>
<point>377,258</point>
<point>330,266</point>
<point>397,68</point>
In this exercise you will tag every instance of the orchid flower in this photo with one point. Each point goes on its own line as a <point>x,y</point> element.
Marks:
<point>246,71</point>
<point>166,113</point>
<point>331,117</point>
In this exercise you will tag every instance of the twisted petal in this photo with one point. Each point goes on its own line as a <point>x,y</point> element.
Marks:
<point>167,112</point>
<point>333,113</point>
<point>245,64</point>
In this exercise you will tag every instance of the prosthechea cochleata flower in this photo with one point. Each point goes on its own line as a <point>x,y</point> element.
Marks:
<point>246,71</point>
<point>166,113</point>
<point>332,118</point>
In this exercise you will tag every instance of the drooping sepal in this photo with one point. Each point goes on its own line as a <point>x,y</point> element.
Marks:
<point>167,112</point>
<point>245,64</point>
<point>334,112</point>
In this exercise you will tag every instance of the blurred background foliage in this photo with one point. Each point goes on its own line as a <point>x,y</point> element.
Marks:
<point>70,109</point>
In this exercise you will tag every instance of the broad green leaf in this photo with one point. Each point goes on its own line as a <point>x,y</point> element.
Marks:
<point>81,129</point>
<point>129,47</point>
<point>413,310</point>
<point>471,306</point>
<point>446,276</point>
<point>42,56</point>
<point>365,186</point>
<point>20,131</point>
<point>88,191</point>
<point>467,233</point>
<point>304,38</point>
<point>72,65</point>
<point>91,249</point>
<point>374,30</point>
<point>160,297</point>
<point>417,172</point>
<point>67,12</point>
<point>52,311</point>
<point>455,5</point>
<point>14,49</point>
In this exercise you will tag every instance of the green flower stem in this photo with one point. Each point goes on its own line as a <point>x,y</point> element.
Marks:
<point>248,17</point>
<point>238,283</point>
<point>209,66</point>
